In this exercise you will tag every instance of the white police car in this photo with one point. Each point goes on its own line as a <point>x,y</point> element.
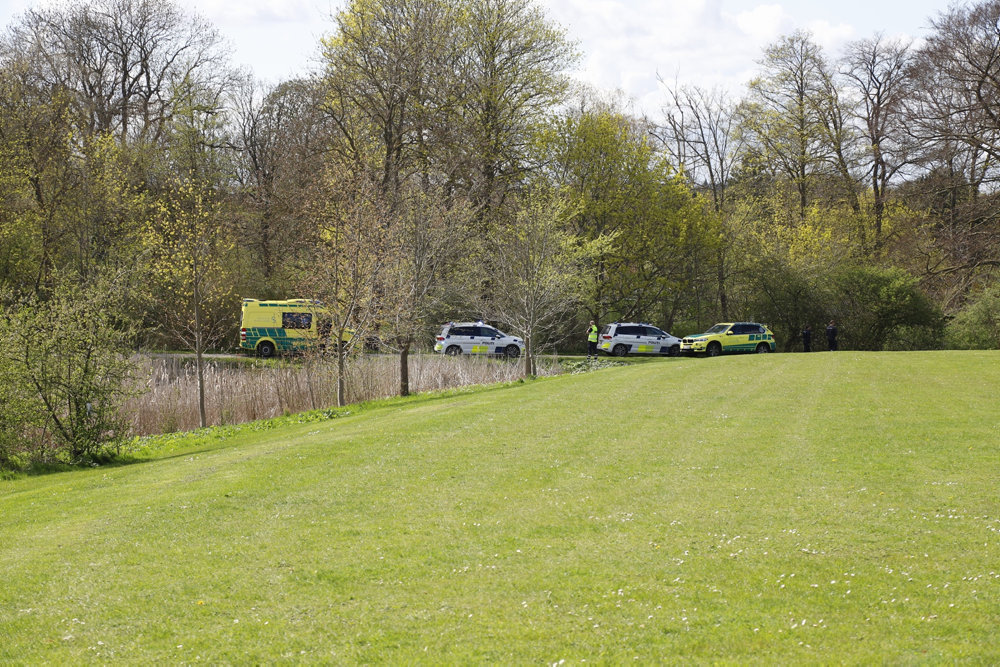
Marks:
<point>621,338</point>
<point>477,338</point>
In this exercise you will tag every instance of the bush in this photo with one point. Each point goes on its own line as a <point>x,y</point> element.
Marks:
<point>66,373</point>
<point>786,300</point>
<point>977,326</point>
<point>875,305</point>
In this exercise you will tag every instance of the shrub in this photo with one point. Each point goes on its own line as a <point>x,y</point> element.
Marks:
<point>875,304</point>
<point>66,373</point>
<point>977,326</point>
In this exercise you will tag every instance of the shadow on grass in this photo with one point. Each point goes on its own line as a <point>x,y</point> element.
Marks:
<point>166,446</point>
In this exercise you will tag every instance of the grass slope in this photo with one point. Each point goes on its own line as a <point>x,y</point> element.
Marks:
<point>780,508</point>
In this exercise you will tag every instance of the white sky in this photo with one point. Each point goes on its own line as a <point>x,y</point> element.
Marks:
<point>625,43</point>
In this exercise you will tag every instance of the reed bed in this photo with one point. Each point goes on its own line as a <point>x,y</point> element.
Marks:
<point>251,390</point>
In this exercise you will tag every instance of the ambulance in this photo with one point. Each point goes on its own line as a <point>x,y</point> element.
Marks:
<point>293,325</point>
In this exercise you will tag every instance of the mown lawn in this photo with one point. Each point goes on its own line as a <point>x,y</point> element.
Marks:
<point>774,508</point>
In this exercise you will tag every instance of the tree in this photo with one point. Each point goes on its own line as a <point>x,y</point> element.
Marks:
<point>350,261</point>
<point>427,240</point>
<point>877,70</point>
<point>874,302</point>
<point>952,112</point>
<point>514,61</point>
<point>389,63</point>
<point>700,137</point>
<point>784,118</point>
<point>977,325</point>
<point>539,266</point>
<point>187,244</point>
<point>279,137</point>
<point>118,60</point>
<point>67,361</point>
<point>629,196</point>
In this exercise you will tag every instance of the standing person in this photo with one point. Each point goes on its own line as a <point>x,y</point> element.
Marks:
<point>807,334</point>
<point>831,336</point>
<point>592,340</point>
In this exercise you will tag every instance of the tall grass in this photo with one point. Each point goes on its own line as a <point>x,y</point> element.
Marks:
<point>251,390</point>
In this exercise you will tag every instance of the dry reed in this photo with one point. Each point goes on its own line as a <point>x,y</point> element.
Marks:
<point>239,391</point>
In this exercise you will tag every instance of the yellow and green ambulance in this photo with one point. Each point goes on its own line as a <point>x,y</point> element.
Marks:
<point>729,337</point>
<point>291,325</point>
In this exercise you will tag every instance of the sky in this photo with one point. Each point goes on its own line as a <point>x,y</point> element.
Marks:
<point>625,44</point>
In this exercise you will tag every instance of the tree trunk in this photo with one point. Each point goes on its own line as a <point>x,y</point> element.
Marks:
<point>341,365</point>
<point>528,352</point>
<point>199,342</point>
<point>404,368</point>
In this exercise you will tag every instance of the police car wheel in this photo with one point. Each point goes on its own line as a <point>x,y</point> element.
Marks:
<point>265,350</point>
<point>714,350</point>
<point>620,350</point>
<point>453,351</point>
<point>512,352</point>
<point>763,348</point>
<point>675,351</point>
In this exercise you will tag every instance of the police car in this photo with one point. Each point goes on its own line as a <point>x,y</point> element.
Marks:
<point>729,337</point>
<point>476,338</point>
<point>623,338</point>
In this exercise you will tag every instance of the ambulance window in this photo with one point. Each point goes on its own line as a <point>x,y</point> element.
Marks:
<point>296,320</point>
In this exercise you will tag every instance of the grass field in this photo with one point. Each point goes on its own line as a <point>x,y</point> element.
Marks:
<point>770,508</point>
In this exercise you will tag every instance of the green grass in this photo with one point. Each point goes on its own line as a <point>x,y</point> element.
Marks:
<point>769,508</point>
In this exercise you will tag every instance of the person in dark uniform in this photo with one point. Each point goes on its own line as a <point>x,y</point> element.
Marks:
<point>831,336</point>
<point>807,335</point>
<point>592,340</point>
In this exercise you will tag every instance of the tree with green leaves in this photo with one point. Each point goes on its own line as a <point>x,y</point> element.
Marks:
<point>789,121</point>
<point>626,192</point>
<point>515,61</point>
<point>186,246</point>
<point>65,360</point>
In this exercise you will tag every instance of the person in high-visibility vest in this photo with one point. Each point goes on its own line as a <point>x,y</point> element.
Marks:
<point>592,340</point>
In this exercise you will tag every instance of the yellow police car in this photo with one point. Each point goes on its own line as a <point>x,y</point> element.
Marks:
<point>730,337</point>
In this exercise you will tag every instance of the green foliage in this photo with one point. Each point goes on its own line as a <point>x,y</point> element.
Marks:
<point>787,299</point>
<point>66,372</point>
<point>628,195</point>
<point>873,303</point>
<point>977,326</point>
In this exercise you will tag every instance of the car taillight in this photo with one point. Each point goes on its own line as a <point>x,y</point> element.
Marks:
<point>243,334</point>
<point>440,337</point>
<point>606,337</point>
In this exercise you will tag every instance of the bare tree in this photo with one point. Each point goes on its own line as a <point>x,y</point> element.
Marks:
<point>700,136</point>
<point>781,118</point>
<point>539,265</point>
<point>279,136</point>
<point>427,236</point>
<point>120,59</point>
<point>347,271</point>
<point>876,69</point>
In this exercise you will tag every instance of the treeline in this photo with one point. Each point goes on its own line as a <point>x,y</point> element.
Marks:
<point>441,165</point>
